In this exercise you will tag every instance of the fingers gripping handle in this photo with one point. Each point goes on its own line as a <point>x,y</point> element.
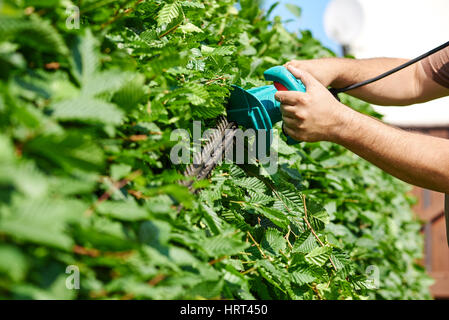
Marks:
<point>282,76</point>
<point>284,81</point>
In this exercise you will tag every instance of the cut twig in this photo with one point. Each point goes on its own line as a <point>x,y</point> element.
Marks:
<point>212,262</point>
<point>249,270</point>
<point>287,236</point>
<point>311,229</point>
<point>170,30</point>
<point>86,251</point>
<point>257,245</point>
<point>314,288</point>
<point>118,185</point>
<point>158,278</point>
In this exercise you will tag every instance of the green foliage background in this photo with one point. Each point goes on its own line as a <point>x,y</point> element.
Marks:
<point>85,176</point>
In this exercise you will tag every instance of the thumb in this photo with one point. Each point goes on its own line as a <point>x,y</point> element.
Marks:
<point>307,79</point>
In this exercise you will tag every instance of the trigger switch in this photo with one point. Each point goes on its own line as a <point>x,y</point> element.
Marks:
<point>280,87</point>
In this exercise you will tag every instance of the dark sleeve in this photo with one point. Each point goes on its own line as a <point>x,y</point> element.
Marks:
<point>436,66</point>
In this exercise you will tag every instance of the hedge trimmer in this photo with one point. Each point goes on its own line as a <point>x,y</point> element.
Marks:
<point>257,109</point>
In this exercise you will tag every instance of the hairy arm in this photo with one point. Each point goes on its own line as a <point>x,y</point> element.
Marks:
<point>414,158</point>
<point>315,115</point>
<point>408,86</point>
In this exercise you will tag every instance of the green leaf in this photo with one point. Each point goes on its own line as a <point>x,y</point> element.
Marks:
<point>35,32</point>
<point>168,13</point>
<point>252,183</point>
<point>25,177</point>
<point>278,217</point>
<point>13,262</point>
<point>294,9</point>
<point>207,289</point>
<point>302,276</point>
<point>42,221</point>
<point>319,255</point>
<point>86,59</point>
<point>305,243</point>
<point>222,245</point>
<point>119,171</point>
<point>6,149</point>
<point>190,28</point>
<point>258,198</point>
<point>192,4</point>
<point>72,152</point>
<point>273,241</point>
<point>126,211</point>
<point>154,233</point>
<point>212,219</point>
<point>107,81</point>
<point>130,94</point>
<point>276,277</point>
<point>86,109</point>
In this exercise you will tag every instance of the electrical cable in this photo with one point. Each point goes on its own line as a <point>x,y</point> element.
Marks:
<point>335,92</point>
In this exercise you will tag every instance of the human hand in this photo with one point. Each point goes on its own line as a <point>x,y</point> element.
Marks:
<point>314,115</point>
<point>325,70</point>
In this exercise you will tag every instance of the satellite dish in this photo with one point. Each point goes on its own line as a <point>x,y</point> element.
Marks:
<point>343,20</point>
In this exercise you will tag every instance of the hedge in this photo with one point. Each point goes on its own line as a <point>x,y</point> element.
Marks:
<point>86,181</point>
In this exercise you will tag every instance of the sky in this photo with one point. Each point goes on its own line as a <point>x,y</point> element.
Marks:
<point>311,19</point>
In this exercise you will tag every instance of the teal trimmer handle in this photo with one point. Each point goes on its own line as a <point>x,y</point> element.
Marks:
<point>283,80</point>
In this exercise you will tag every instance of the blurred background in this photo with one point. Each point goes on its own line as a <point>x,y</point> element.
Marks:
<point>386,28</point>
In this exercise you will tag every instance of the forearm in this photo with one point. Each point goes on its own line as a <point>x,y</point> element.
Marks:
<point>397,89</point>
<point>316,115</point>
<point>407,86</point>
<point>417,159</point>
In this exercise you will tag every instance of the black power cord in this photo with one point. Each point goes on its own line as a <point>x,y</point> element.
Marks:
<point>335,92</point>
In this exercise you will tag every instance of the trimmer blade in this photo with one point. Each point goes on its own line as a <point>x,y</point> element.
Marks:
<point>212,152</point>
